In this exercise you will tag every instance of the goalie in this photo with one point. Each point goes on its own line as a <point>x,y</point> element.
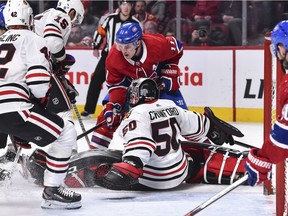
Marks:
<point>274,149</point>
<point>153,156</point>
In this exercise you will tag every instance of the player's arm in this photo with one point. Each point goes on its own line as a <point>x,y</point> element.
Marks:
<point>38,74</point>
<point>100,33</point>
<point>170,72</point>
<point>196,127</point>
<point>275,147</point>
<point>117,84</point>
<point>56,33</point>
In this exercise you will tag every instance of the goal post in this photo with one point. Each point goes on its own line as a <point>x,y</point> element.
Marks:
<point>272,76</point>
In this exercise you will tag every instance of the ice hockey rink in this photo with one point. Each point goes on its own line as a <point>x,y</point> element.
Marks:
<point>23,198</point>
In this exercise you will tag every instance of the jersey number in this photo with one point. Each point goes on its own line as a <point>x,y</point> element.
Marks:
<point>168,138</point>
<point>6,52</point>
<point>63,23</point>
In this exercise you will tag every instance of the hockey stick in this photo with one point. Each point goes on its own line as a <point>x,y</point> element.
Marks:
<point>81,123</point>
<point>220,149</point>
<point>244,144</point>
<point>91,129</point>
<point>217,196</point>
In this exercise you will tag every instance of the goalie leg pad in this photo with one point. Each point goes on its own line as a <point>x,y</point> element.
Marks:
<point>224,168</point>
<point>88,168</point>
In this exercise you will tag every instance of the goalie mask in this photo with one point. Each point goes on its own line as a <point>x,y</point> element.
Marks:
<point>18,13</point>
<point>142,90</point>
<point>77,5</point>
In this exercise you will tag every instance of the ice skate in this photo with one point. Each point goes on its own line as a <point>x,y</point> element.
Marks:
<point>60,198</point>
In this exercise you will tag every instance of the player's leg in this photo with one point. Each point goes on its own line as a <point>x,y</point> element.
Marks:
<point>45,128</point>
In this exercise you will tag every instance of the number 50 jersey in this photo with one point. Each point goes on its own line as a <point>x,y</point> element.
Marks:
<point>152,132</point>
<point>24,69</point>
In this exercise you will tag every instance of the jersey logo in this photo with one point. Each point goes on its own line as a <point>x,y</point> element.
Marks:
<point>127,114</point>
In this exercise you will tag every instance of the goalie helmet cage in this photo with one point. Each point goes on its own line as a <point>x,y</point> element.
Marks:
<point>272,76</point>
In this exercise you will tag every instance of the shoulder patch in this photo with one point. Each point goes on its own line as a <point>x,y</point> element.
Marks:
<point>127,114</point>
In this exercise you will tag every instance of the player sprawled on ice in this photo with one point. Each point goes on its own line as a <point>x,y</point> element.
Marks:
<point>274,149</point>
<point>136,55</point>
<point>153,156</point>
<point>24,92</point>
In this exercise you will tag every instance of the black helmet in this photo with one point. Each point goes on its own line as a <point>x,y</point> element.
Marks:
<point>142,90</point>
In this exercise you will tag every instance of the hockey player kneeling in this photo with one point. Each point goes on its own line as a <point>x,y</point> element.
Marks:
<point>153,156</point>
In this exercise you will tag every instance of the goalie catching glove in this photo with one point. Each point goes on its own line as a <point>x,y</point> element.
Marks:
<point>258,168</point>
<point>169,77</point>
<point>122,175</point>
<point>220,132</point>
<point>60,68</point>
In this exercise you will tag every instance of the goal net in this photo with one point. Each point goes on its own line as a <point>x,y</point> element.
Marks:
<point>272,76</point>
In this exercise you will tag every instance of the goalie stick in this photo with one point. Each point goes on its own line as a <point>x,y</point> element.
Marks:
<point>217,196</point>
<point>244,144</point>
<point>220,149</point>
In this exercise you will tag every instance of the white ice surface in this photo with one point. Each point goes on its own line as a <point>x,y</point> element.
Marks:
<point>23,198</point>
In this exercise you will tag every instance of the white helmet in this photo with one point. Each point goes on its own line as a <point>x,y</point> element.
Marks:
<point>18,12</point>
<point>77,5</point>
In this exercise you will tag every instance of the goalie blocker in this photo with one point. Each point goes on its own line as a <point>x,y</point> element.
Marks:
<point>211,164</point>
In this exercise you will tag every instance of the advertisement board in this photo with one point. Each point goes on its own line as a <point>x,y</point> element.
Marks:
<point>230,81</point>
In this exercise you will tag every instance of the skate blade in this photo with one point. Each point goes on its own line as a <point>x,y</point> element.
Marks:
<point>52,204</point>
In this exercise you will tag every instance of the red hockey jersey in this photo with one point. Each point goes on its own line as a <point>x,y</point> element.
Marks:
<point>156,49</point>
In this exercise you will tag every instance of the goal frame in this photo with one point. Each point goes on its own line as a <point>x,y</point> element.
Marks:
<point>271,65</point>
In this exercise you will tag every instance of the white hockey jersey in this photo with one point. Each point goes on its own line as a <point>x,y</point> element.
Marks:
<point>152,132</point>
<point>24,69</point>
<point>55,26</point>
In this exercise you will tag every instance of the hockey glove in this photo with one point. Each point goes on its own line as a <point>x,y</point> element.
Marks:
<point>220,132</point>
<point>258,168</point>
<point>71,91</point>
<point>122,176</point>
<point>112,114</point>
<point>20,142</point>
<point>60,68</point>
<point>169,79</point>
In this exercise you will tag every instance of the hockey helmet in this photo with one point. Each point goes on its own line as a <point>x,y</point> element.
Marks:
<point>18,12</point>
<point>129,32</point>
<point>2,20</point>
<point>77,5</point>
<point>279,35</point>
<point>124,1</point>
<point>142,90</point>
